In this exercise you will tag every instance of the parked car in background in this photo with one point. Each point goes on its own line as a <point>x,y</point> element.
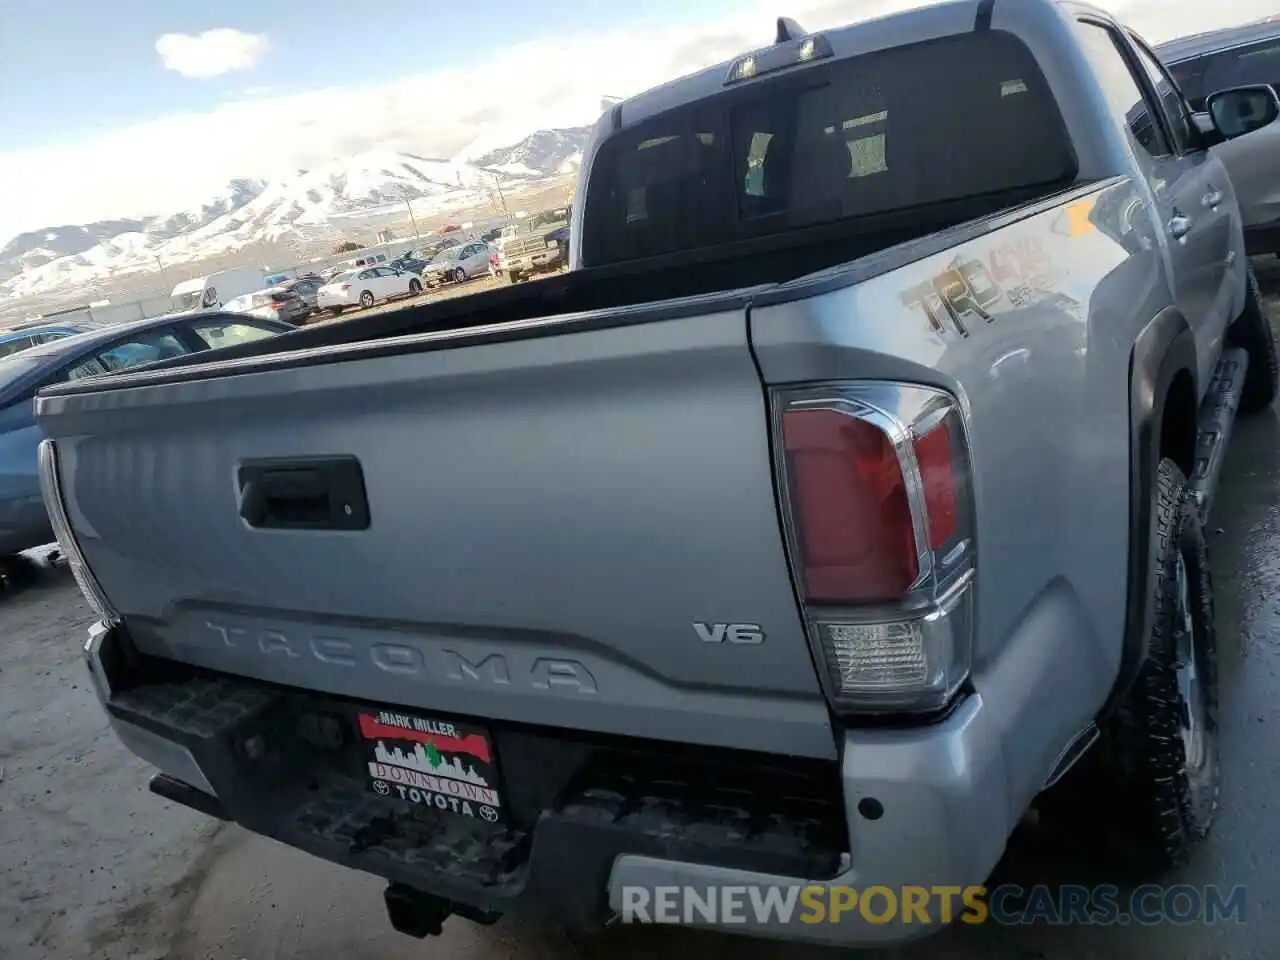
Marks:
<point>369,260</point>
<point>1220,59</point>
<point>213,290</point>
<point>1206,64</point>
<point>459,263</point>
<point>23,521</point>
<point>433,250</point>
<point>305,288</point>
<point>536,245</point>
<point>275,303</point>
<point>20,338</point>
<point>363,288</point>
<point>410,263</point>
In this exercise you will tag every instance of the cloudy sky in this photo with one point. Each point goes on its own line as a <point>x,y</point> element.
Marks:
<point>131,107</point>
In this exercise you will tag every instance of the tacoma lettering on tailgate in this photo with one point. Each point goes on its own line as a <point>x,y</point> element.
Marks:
<point>552,674</point>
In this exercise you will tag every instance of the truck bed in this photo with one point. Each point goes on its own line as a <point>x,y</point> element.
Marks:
<point>621,294</point>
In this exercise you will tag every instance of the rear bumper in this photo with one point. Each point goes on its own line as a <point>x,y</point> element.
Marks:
<point>934,815</point>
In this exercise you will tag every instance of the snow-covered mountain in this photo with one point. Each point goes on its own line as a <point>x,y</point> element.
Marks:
<point>35,248</point>
<point>244,212</point>
<point>544,152</point>
<point>232,197</point>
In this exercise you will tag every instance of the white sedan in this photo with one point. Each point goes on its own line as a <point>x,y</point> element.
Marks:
<point>365,287</point>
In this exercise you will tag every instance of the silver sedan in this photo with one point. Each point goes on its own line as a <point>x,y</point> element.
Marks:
<point>466,260</point>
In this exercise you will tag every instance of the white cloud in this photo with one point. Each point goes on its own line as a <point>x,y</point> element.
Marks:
<point>173,162</point>
<point>211,53</point>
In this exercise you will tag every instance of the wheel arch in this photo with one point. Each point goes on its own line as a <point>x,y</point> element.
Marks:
<point>1163,404</point>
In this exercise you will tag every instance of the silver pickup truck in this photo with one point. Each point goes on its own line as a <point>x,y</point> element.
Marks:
<point>846,495</point>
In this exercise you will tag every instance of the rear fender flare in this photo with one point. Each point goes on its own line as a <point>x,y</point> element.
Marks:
<point>1163,349</point>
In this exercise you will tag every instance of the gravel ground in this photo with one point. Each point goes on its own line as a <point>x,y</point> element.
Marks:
<point>93,866</point>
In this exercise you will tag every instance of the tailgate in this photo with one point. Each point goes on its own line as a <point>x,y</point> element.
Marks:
<point>561,531</point>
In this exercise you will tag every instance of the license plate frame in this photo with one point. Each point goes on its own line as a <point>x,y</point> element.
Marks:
<point>433,762</point>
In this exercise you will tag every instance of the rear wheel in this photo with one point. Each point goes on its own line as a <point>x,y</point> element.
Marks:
<point>513,276</point>
<point>366,299</point>
<point>415,288</point>
<point>1154,776</point>
<point>1253,332</point>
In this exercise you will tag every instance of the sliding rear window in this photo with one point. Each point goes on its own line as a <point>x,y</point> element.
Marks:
<point>950,119</point>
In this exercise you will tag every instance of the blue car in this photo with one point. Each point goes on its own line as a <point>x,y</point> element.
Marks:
<point>23,338</point>
<point>23,521</point>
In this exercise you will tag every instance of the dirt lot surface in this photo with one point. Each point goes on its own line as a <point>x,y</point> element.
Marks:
<point>92,866</point>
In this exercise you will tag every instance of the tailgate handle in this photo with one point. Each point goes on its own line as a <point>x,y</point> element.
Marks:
<point>317,493</point>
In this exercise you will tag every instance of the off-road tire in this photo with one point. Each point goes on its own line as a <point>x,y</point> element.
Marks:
<point>1253,332</point>
<point>1140,782</point>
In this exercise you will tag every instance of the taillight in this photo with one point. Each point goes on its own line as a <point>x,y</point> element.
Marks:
<point>879,522</point>
<point>346,287</point>
<point>51,492</point>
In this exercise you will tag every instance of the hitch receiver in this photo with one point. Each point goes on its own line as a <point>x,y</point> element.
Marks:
<point>421,915</point>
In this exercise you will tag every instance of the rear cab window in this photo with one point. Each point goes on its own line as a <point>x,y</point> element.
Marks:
<point>835,141</point>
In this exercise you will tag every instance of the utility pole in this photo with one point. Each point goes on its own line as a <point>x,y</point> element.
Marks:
<point>416,232</point>
<point>497,183</point>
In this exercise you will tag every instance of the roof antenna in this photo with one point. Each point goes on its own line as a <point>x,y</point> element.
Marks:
<point>788,29</point>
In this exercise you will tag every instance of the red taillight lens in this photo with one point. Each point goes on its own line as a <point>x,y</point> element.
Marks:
<point>346,287</point>
<point>856,539</point>
<point>934,457</point>
<point>878,512</point>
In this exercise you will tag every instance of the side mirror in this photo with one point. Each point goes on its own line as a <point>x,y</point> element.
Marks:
<point>1242,110</point>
